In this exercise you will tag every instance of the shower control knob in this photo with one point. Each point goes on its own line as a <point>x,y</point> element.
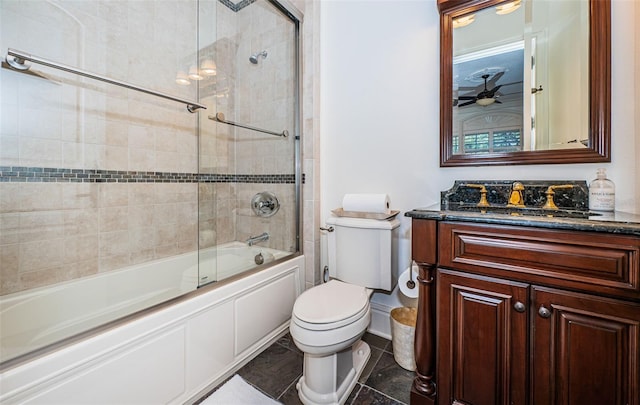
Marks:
<point>265,204</point>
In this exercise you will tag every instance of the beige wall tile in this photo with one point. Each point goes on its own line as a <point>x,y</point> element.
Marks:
<point>141,239</point>
<point>113,194</point>
<point>9,149</point>
<point>141,193</point>
<point>41,254</point>
<point>164,214</point>
<point>114,244</point>
<point>81,222</point>
<point>116,158</point>
<point>116,262</point>
<point>9,264</point>
<point>9,228</point>
<point>141,137</point>
<point>80,249</point>
<point>142,160</point>
<point>79,269</point>
<point>39,278</point>
<point>113,219</point>
<point>80,195</point>
<point>140,216</point>
<point>41,225</point>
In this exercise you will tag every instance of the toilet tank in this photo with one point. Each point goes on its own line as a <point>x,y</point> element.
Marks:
<point>364,251</point>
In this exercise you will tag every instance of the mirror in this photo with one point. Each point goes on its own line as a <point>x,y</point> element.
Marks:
<point>524,82</point>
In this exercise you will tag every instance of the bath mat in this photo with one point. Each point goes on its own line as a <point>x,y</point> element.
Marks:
<point>237,391</point>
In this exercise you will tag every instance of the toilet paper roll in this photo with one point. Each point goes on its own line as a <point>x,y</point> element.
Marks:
<point>402,283</point>
<point>376,203</point>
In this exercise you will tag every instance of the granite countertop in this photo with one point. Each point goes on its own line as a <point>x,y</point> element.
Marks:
<point>611,222</point>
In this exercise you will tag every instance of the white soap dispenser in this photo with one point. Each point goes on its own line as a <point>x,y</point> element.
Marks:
<point>602,193</point>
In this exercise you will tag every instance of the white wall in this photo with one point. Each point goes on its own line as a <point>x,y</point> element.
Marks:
<point>380,109</point>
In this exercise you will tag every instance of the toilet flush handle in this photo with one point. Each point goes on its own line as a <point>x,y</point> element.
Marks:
<point>329,229</point>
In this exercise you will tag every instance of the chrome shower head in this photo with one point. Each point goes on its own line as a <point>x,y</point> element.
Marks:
<point>254,58</point>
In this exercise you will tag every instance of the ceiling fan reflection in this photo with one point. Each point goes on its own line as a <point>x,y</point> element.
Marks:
<point>485,97</point>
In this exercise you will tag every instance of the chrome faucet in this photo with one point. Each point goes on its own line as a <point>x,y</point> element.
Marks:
<point>256,239</point>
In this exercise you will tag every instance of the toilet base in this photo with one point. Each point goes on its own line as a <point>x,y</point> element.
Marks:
<point>328,380</point>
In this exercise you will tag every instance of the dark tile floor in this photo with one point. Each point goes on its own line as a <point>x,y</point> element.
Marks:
<point>276,371</point>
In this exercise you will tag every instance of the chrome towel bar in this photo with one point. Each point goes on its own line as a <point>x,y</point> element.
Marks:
<point>18,60</point>
<point>219,117</point>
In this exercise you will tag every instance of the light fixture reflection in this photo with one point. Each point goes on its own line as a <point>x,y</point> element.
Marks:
<point>485,101</point>
<point>194,74</point>
<point>463,21</point>
<point>182,79</point>
<point>507,8</point>
<point>208,67</point>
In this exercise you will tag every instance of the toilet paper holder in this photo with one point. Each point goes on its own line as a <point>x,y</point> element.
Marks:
<point>410,283</point>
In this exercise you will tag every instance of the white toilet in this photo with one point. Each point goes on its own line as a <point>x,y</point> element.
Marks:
<point>328,320</point>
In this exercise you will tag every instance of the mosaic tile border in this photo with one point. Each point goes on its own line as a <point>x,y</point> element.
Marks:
<point>236,7</point>
<point>22,174</point>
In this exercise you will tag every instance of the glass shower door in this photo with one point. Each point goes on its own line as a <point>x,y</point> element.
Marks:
<point>249,141</point>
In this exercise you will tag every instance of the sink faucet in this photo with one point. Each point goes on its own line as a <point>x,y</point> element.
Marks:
<point>256,239</point>
<point>550,204</point>
<point>483,194</point>
<point>516,199</point>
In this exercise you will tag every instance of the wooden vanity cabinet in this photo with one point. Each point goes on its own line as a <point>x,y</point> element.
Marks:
<point>528,315</point>
<point>482,340</point>
<point>585,351</point>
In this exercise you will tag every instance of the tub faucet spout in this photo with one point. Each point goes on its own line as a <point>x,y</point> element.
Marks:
<point>256,239</point>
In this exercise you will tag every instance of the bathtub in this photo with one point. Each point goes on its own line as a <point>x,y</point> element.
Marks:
<point>232,258</point>
<point>36,318</point>
<point>41,317</point>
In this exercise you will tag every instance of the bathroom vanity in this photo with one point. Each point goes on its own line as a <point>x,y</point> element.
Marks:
<point>536,306</point>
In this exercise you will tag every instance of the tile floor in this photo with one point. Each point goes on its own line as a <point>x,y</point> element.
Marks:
<point>276,371</point>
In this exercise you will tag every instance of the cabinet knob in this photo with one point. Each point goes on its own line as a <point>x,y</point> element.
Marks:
<point>519,306</point>
<point>544,312</point>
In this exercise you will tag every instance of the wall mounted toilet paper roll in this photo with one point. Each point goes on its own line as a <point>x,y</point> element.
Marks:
<point>376,203</point>
<point>402,282</point>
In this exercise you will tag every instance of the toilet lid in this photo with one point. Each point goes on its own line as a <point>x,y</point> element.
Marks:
<point>330,302</point>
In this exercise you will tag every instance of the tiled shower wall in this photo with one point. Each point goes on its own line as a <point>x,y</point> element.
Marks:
<point>91,172</point>
<point>261,95</point>
<point>96,177</point>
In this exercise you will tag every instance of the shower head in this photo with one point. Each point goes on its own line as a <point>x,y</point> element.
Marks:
<point>254,58</point>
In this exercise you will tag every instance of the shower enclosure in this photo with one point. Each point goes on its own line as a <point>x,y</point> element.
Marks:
<point>142,156</point>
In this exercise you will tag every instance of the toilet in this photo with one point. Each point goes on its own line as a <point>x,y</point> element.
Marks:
<point>328,320</point>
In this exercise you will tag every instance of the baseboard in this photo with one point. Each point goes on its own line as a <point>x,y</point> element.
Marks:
<point>380,320</point>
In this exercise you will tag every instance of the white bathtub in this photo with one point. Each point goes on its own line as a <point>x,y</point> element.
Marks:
<point>36,318</point>
<point>233,258</point>
<point>185,347</point>
<point>172,354</point>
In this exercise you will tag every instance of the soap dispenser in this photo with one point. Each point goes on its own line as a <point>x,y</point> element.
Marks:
<point>602,193</point>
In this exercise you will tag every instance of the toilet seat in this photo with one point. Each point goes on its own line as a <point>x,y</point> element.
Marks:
<point>330,306</point>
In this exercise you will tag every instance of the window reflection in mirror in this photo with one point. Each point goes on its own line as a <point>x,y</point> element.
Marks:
<point>521,77</point>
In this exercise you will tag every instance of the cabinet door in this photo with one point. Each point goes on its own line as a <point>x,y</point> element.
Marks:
<point>584,349</point>
<point>482,340</point>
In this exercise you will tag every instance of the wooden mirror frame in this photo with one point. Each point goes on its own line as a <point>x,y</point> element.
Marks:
<point>599,93</point>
